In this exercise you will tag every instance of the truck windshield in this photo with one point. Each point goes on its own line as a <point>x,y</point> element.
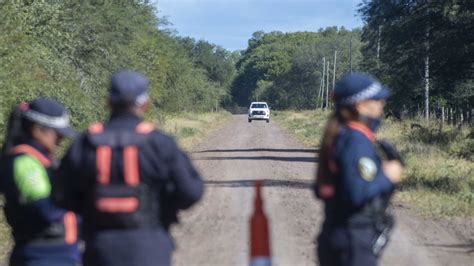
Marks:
<point>258,105</point>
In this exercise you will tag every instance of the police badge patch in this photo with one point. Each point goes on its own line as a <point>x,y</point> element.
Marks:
<point>367,168</point>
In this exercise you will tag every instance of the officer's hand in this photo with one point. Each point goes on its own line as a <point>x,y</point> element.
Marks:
<point>393,170</point>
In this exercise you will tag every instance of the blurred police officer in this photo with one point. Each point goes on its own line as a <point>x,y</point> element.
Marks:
<point>128,180</point>
<point>43,233</point>
<point>353,179</point>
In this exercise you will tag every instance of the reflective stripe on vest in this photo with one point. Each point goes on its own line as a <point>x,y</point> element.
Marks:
<point>131,171</point>
<point>27,149</point>
<point>103,161</point>
<point>130,163</point>
<point>70,228</point>
<point>117,205</point>
<point>130,156</point>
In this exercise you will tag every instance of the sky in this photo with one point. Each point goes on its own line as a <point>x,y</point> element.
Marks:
<point>230,23</point>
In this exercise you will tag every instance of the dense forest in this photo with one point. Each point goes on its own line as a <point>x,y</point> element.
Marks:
<point>68,49</point>
<point>423,50</point>
<point>295,70</point>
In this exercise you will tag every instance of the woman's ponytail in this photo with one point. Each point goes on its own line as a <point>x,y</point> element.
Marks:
<point>15,130</point>
<point>332,128</point>
<point>337,119</point>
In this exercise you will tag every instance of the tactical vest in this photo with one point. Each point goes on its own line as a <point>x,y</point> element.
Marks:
<point>118,198</point>
<point>325,187</point>
<point>374,213</point>
<point>62,231</point>
<point>326,190</point>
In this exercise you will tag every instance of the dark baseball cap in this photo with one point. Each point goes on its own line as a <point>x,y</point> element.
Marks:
<point>356,87</point>
<point>128,87</point>
<point>49,113</point>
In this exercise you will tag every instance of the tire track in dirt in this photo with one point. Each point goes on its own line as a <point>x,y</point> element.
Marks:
<point>215,232</point>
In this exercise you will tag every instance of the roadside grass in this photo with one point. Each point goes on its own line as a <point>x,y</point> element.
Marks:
<point>188,129</point>
<point>191,128</point>
<point>306,126</point>
<point>439,177</point>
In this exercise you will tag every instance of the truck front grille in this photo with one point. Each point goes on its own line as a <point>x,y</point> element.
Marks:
<point>258,112</point>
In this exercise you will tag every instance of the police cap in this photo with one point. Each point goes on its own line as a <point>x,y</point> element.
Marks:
<point>356,87</point>
<point>128,87</point>
<point>49,113</point>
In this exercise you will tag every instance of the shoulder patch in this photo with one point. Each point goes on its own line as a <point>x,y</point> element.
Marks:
<point>367,168</point>
<point>31,179</point>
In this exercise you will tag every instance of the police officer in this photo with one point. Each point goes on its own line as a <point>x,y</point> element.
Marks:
<point>43,233</point>
<point>353,179</point>
<point>128,180</point>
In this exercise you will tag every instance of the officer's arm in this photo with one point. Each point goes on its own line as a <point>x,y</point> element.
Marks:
<point>362,174</point>
<point>66,187</point>
<point>188,183</point>
<point>34,188</point>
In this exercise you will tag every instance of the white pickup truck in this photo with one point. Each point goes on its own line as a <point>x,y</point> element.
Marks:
<point>259,111</point>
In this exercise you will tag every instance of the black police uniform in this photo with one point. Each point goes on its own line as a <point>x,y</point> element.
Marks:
<point>357,191</point>
<point>43,233</point>
<point>173,182</point>
<point>127,206</point>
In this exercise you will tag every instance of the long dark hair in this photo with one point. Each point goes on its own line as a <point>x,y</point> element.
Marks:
<point>338,118</point>
<point>17,130</point>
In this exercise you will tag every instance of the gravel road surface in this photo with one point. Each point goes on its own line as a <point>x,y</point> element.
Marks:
<point>215,232</point>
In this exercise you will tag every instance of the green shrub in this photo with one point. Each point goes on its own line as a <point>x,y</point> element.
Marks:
<point>187,132</point>
<point>439,177</point>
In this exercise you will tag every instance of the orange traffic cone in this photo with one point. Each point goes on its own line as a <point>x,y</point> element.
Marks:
<point>259,234</point>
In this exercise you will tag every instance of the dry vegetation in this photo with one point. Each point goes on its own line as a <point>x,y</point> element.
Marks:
<point>190,128</point>
<point>439,178</point>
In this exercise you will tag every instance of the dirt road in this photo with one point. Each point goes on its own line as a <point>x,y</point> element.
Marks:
<point>215,232</point>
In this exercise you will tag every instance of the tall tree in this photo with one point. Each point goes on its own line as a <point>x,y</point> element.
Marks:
<point>423,50</point>
<point>291,66</point>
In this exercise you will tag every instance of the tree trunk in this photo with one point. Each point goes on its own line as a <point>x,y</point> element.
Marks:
<point>451,118</point>
<point>379,32</point>
<point>334,72</point>
<point>442,115</point>
<point>319,97</point>
<point>327,85</point>
<point>427,75</point>
<point>323,78</point>
<point>469,108</point>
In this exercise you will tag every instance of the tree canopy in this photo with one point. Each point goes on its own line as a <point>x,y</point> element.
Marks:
<point>67,50</point>
<point>286,68</point>
<point>402,38</point>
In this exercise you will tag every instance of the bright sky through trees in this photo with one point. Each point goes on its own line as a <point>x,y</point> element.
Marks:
<point>230,23</point>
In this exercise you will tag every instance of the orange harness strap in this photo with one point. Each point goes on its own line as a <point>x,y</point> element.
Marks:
<point>117,205</point>
<point>131,169</point>
<point>103,156</point>
<point>103,163</point>
<point>24,148</point>
<point>130,156</point>
<point>362,129</point>
<point>144,128</point>
<point>70,228</point>
<point>131,166</point>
